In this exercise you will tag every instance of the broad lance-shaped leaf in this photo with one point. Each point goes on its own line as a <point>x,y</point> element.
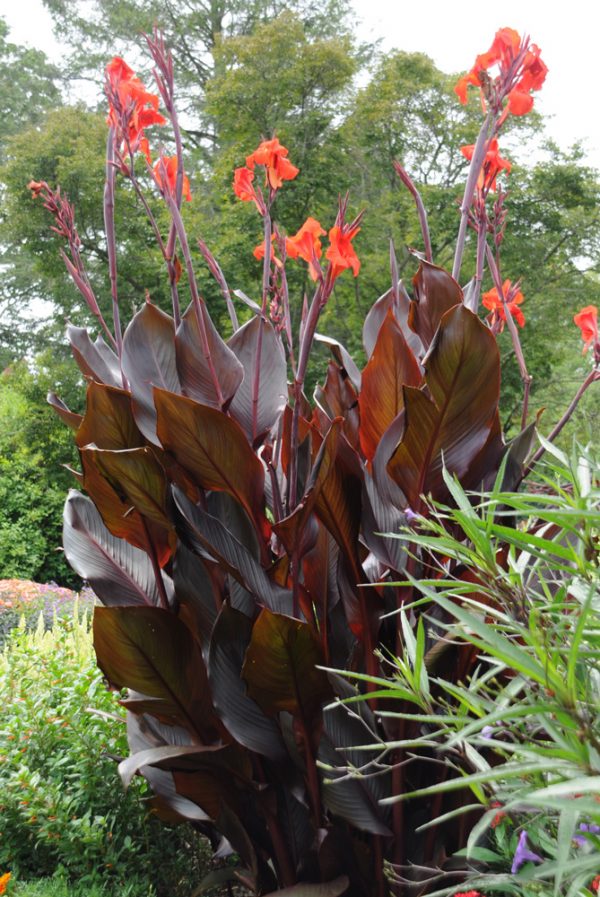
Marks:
<point>119,514</point>
<point>193,367</point>
<point>138,476</point>
<point>144,732</point>
<point>150,651</point>
<point>376,315</point>
<point>290,529</point>
<point>342,357</point>
<point>213,448</point>
<point>337,398</point>
<point>463,378</point>
<point>436,292</point>
<point>280,669</point>
<point>108,421</point>
<point>391,366</point>
<point>208,537</point>
<point>95,359</point>
<point>272,392</point>
<point>240,714</point>
<point>148,361</point>
<point>119,573</point>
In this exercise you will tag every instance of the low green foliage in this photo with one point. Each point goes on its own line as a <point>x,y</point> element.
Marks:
<point>23,601</point>
<point>61,802</point>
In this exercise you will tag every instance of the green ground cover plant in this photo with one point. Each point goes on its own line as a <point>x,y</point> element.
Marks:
<point>61,807</point>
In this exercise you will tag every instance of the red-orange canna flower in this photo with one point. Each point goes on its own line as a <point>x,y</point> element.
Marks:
<point>4,880</point>
<point>493,164</point>
<point>341,252</point>
<point>513,83</point>
<point>587,321</point>
<point>595,885</point>
<point>138,107</point>
<point>306,244</point>
<point>514,297</point>
<point>259,252</point>
<point>242,186</point>
<point>272,155</point>
<point>170,164</point>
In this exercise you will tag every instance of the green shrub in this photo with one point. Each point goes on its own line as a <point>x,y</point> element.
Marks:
<point>61,802</point>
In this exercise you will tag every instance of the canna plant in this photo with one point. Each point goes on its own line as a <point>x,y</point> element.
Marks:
<point>230,526</point>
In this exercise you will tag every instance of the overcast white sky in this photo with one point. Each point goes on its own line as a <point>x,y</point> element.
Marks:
<point>452,33</point>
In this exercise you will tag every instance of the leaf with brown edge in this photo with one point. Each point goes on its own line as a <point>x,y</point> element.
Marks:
<point>227,760</point>
<point>209,537</point>
<point>272,393</point>
<point>95,359</point>
<point>70,418</point>
<point>137,475</point>
<point>391,366</point>
<point>400,307</point>
<point>240,714</point>
<point>342,357</point>
<point>119,513</point>
<point>193,367</point>
<point>304,430</point>
<point>148,361</point>
<point>118,572</point>
<point>150,651</point>
<point>214,449</point>
<point>280,668</point>
<point>290,529</point>
<point>463,377</point>
<point>338,398</point>
<point>338,505</point>
<point>436,292</point>
<point>108,421</point>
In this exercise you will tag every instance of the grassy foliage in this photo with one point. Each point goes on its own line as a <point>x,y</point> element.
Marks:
<point>62,805</point>
<point>520,736</point>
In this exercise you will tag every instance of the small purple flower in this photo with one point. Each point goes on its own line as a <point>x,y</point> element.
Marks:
<point>580,840</point>
<point>523,854</point>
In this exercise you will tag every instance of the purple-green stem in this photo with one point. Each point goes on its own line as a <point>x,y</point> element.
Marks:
<point>157,234</point>
<point>476,164</point>
<point>421,211</point>
<point>79,278</point>
<point>215,270</point>
<point>525,376</point>
<point>479,263</point>
<point>166,87</point>
<point>319,299</point>
<point>197,301</point>
<point>109,228</point>
<point>394,274</point>
<point>263,308</point>
<point>592,377</point>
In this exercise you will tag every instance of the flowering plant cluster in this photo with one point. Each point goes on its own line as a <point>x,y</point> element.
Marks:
<point>231,526</point>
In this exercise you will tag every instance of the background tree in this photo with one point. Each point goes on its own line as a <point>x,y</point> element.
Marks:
<point>246,71</point>
<point>34,446</point>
